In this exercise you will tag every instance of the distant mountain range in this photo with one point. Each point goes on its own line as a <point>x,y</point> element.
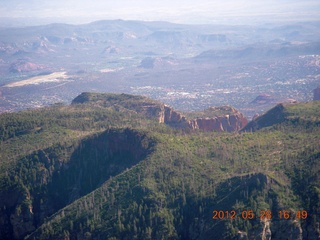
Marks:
<point>190,67</point>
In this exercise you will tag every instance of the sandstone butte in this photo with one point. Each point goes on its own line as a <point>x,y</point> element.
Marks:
<point>234,121</point>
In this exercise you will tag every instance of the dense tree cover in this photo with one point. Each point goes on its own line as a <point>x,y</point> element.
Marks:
<point>23,132</point>
<point>91,177</point>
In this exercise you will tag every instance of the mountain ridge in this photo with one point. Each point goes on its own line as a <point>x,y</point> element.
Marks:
<point>110,171</point>
<point>281,114</point>
<point>219,119</point>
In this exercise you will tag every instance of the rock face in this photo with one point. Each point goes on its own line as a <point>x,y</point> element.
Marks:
<point>173,118</point>
<point>227,123</point>
<point>316,94</point>
<point>22,65</point>
<point>219,119</point>
<point>234,121</point>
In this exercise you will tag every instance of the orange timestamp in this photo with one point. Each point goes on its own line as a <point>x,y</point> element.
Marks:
<point>263,214</point>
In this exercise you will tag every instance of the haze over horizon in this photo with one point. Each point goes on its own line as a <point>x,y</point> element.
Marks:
<point>36,12</point>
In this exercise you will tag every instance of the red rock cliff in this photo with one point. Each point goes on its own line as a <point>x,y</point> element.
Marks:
<point>226,123</point>
<point>172,116</point>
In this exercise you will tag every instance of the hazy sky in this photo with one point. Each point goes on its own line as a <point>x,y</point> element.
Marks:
<point>186,11</point>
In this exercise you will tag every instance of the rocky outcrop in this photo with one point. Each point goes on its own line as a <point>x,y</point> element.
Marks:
<point>266,232</point>
<point>290,229</point>
<point>22,65</point>
<point>219,119</point>
<point>316,94</point>
<point>173,117</point>
<point>234,121</point>
<point>227,123</point>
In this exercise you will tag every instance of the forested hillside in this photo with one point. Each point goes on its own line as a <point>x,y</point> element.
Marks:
<point>105,167</point>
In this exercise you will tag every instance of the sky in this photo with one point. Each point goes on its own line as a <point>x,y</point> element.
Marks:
<point>179,11</point>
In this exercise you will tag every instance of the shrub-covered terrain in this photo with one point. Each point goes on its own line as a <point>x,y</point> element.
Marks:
<point>103,168</point>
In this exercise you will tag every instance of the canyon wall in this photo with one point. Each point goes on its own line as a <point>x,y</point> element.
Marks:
<point>227,123</point>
